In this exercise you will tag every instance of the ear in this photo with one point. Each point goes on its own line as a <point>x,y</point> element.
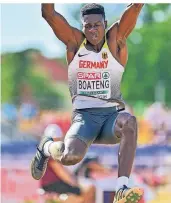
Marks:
<point>83,30</point>
<point>105,24</point>
<point>82,26</point>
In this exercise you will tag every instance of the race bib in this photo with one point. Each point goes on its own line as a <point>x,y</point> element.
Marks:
<point>95,84</point>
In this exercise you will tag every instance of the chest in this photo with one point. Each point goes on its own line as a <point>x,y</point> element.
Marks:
<point>87,60</point>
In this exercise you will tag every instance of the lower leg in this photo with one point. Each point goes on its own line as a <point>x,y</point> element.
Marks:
<point>127,130</point>
<point>127,147</point>
<point>74,152</point>
<point>126,151</point>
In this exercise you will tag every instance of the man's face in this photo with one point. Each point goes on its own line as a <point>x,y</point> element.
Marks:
<point>94,28</point>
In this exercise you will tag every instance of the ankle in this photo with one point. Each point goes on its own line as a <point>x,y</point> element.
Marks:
<point>121,181</point>
<point>46,148</point>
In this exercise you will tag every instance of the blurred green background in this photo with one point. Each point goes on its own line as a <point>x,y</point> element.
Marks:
<point>147,76</point>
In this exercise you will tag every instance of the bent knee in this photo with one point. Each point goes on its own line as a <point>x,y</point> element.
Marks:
<point>132,121</point>
<point>71,158</point>
<point>75,150</point>
<point>126,123</point>
<point>126,119</point>
<point>130,127</point>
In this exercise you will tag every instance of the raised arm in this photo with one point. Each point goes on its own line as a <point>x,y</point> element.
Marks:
<point>63,31</point>
<point>128,21</point>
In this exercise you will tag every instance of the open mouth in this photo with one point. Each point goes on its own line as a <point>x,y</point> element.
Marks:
<point>94,37</point>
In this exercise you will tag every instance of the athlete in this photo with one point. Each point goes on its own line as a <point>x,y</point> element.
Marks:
<point>96,58</point>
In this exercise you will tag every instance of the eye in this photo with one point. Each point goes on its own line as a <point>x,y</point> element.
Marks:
<point>98,25</point>
<point>86,26</point>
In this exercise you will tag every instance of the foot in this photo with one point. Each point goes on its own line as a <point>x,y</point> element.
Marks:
<point>128,195</point>
<point>39,162</point>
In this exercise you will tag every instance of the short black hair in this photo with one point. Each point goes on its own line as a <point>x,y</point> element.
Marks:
<point>92,9</point>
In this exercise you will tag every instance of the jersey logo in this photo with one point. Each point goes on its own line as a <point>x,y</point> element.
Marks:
<point>80,55</point>
<point>104,55</point>
<point>105,75</point>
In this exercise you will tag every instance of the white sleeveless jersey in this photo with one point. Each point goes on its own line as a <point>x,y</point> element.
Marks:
<point>94,79</point>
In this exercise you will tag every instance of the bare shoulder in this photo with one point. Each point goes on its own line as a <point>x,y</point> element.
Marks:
<point>111,36</point>
<point>74,44</point>
<point>117,49</point>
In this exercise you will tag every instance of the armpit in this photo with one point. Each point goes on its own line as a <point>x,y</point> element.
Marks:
<point>70,47</point>
<point>121,42</point>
